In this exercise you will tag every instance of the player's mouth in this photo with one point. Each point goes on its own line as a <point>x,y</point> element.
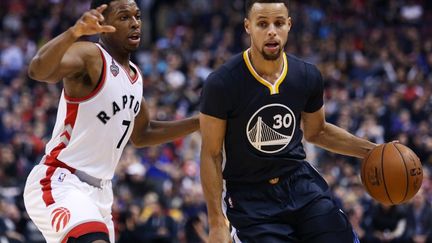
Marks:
<point>134,38</point>
<point>272,46</point>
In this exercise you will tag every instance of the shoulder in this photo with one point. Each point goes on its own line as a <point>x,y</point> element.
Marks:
<point>305,68</point>
<point>227,71</point>
<point>90,55</point>
<point>234,63</point>
<point>296,61</point>
<point>86,49</point>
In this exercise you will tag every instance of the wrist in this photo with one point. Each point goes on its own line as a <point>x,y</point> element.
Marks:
<point>73,32</point>
<point>220,222</point>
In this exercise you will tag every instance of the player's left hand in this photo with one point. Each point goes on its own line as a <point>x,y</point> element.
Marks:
<point>90,23</point>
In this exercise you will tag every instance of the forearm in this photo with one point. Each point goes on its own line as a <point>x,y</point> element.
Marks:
<point>211,181</point>
<point>159,132</point>
<point>49,57</point>
<point>339,141</point>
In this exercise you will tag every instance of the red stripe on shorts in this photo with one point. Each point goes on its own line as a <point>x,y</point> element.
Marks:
<point>46,186</point>
<point>85,228</point>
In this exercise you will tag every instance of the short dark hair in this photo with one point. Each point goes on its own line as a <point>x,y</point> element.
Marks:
<point>96,3</point>
<point>250,3</point>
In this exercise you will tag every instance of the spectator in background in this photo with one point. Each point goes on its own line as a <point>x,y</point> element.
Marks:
<point>388,224</point>
<point>370,130</point>
<point>419,220</point>
<point>355,215</point>
<point>128,223</point>
<point>196,229</point>
<point>9,221</point>
<point>11,61</point>
<point>159,227</point>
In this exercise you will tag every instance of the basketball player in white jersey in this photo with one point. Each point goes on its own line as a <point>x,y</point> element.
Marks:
<point>68,195</point>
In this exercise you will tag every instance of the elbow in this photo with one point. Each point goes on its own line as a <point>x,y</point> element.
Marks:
<point>142,142</point>
<point>138,143</point>
<point>31,72</point>
<point>315,134</point>
<point>311,138</point>
<point>34,72</point>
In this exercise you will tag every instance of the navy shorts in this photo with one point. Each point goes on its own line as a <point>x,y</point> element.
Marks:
<point>297,207</point>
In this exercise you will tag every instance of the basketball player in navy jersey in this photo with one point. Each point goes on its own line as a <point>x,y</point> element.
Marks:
<point>68,195</point>
<point>252,156</point>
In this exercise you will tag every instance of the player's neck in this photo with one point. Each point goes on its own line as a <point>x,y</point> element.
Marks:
<point>268,69</point>
<point>121,58</point>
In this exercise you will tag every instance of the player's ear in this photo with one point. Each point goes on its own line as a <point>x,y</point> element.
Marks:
<point>289,23</point>
<point>246,23</point>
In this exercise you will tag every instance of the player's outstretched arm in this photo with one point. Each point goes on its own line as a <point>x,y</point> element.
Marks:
<point>147,132</point>
<point>213,134</point>
<point>56,59</point>
<point>333,138</point>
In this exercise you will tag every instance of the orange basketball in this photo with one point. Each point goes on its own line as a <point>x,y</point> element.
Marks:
<point>392,173</point>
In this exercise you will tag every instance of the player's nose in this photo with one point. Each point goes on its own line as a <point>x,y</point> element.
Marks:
<point>272,31</point>
<point>136,22</point>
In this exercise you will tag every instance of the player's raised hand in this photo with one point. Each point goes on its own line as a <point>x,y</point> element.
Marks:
<point>90,23</point>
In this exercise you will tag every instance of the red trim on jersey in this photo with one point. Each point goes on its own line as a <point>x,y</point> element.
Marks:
<point>65,133</point>
<point>51,159</point>
<point>54,153</point>
<point>98,87</point>
<point>134,78</point>
<point>52,162</point>
<point>71,114</point>
<point>138,72</point>
<point>46,186</point>
<point>85,228</point>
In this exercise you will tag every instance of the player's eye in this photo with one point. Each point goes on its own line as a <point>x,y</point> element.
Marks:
<point>124,17</point>
<point>279,23</point>
<point>262,24</point>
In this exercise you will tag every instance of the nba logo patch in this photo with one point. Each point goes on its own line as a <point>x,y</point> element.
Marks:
<point>114,69</point>
<point>61,177</point>
<point>60,218</point>
<point>230,202</point>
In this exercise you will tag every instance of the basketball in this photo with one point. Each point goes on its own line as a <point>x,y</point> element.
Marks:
<point>392,173</point>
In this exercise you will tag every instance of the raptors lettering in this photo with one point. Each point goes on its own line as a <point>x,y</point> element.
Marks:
<point>127,102</point>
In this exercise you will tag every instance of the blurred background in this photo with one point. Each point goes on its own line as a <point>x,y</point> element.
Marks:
<point>375,57</point>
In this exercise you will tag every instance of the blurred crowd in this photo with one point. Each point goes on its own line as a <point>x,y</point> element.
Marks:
<point>375,57</point>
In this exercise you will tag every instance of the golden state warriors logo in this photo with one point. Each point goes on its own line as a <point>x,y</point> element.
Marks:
<point>271,128</point>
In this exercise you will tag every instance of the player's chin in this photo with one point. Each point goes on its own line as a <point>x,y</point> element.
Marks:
<point>132,48</point>
<point>271,56</point>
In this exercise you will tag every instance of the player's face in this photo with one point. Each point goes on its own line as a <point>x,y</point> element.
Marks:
<point>268,25</point>
<point>125,16</point>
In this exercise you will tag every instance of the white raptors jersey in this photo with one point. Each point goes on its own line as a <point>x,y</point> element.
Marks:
<point>91,132</point>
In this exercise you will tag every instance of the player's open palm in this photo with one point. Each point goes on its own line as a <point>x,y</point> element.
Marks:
<point>219,235</point>
<point>90,23</point>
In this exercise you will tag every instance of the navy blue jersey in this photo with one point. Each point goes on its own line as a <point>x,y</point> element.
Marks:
<point>263,135</point>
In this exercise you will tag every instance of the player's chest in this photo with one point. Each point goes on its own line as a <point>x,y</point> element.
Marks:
<point>255,97</point>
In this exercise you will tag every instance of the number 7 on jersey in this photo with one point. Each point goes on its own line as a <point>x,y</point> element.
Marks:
<point>125,123</point>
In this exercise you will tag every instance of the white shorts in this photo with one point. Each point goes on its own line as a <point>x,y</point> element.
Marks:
<point>62,206</point>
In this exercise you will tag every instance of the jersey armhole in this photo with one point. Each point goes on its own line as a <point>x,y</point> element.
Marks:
<point>98,87</point>
<point>311,86</point>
